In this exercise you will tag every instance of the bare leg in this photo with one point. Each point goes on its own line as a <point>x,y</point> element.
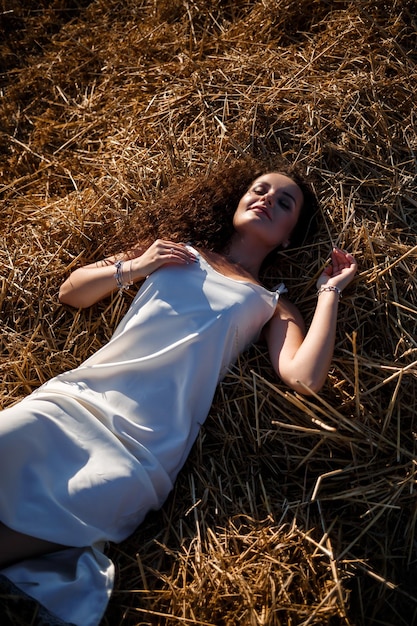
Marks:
<point>15,546</point>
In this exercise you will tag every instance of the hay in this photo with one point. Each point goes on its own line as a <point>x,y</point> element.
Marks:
<point>290,510</point>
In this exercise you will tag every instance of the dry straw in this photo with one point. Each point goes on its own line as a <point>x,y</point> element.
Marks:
<point>291,510</point>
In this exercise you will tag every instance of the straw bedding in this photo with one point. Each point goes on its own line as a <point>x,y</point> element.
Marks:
<point>290,510</point>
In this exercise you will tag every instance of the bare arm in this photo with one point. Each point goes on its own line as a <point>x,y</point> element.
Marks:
<point>91,283</point>
<point>305,358</point>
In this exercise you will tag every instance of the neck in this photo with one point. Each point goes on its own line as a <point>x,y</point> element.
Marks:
<point>247,254</point>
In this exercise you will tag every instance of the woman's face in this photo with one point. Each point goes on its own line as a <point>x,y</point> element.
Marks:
<point>269,210</point>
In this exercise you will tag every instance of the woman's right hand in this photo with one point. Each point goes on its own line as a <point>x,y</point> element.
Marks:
<point>91,283</point>
<point>161,252</point>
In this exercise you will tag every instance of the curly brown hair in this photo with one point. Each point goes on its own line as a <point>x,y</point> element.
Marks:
<point>200,209</point>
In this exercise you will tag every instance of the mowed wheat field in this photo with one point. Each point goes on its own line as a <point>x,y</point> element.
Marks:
<point>291,510</point>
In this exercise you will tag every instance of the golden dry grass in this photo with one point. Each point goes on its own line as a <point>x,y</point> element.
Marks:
<point>290,510</point>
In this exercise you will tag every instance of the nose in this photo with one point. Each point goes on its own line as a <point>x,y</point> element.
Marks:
<point>268,197</point>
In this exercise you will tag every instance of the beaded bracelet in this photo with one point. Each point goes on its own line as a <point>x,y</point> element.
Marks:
<point>330,288</point>
<point>119,276</point>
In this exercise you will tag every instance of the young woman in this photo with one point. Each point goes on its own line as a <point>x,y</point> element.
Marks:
<point>87,455</point>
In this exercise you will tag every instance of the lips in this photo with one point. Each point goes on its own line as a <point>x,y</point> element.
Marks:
<point>260,208</point>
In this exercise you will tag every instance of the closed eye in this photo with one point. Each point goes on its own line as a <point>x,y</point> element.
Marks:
<point>287,201</point>
<point>285,204</point>
<point>259,190</point>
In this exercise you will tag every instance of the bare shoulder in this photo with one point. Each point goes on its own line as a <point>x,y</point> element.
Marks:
<point>285,321</point>
<point>287,311</point>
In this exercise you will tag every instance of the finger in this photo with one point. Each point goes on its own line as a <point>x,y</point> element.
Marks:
<point>179,253</point>
<point>342,254</point>
<point>183,253</point>
<point>328,271</point>
<point>337,265</point>
<point>341,259</point>
<point>351,259</point>
<point>338,255</point>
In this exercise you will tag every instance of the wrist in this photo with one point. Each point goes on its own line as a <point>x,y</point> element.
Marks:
<point>329,289</point>
<point>123,274</point>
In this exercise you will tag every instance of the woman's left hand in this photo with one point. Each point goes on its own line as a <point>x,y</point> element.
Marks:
<point>340,272</point>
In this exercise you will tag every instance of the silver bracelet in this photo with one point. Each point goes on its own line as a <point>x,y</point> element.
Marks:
<point>119,276</point>
<point>329,288</point>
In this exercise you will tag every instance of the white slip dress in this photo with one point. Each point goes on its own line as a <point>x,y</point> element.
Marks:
<point>85,457</point>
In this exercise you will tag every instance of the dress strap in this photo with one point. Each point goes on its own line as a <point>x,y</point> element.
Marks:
<point>280,289</point>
